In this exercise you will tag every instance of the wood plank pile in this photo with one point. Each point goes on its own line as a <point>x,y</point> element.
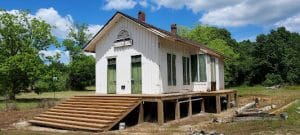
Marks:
<point>88,113</point>
<point>251,112</point>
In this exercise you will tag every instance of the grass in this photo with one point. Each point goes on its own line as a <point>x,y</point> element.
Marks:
<point>246,90</point>
<point>289,126</point>
<point>25,101</point>
<point>279,97</point>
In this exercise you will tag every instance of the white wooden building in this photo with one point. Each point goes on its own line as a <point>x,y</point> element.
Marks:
<point>133,57</point>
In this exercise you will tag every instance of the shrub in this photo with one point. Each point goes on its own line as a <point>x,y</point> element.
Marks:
<point>272,79</point>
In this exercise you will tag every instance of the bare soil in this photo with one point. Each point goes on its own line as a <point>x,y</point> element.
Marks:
<point>7,118</point>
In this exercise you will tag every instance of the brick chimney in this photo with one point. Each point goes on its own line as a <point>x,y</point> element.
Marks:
<point>173,29</point>
<point>141,16</point>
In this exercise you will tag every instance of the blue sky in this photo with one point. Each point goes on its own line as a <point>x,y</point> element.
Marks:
<point>245,19</point>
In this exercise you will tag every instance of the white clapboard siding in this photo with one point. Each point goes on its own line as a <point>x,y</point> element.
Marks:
<point>145,44</point>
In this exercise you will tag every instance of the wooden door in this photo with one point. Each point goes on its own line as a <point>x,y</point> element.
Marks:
<point>111,76</point>
<point>136,75</point>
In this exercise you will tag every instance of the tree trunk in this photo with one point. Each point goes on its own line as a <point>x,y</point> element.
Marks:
<point>12,96</point>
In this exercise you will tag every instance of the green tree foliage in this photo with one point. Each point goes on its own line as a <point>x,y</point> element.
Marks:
<point>76,40</point>
<point>56,77</point>
<point>273,59</point>
<point>82,67</point>
<point>21,39</point>
<point>276,57</point>
<point>82,72</point>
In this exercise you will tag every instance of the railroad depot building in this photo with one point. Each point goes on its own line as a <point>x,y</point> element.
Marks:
<point>144,73</point>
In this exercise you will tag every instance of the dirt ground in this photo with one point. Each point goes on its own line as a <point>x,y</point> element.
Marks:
<point>7,118</point>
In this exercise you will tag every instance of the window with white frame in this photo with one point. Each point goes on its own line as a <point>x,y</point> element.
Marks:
<point>198,67</point>
<point>171,65</point>
<point>186,70</point>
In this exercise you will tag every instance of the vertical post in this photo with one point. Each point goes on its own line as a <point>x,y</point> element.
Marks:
<point>160,112</point>
<point>218,104</point>
<point>141,113</point>
<point>177,110</point>
<point>228,100</point>
<point>235,100</point>
<point>190,107</point>
<point>202,106</point>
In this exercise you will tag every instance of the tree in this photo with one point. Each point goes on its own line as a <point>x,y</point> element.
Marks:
<point>76,40</point>
<point>82,67</point>
<point>21,39</point>
<point>56,77</point>
<point>276,57</point>
<point>82,72</point>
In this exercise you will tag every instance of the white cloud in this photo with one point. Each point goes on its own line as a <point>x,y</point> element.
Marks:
<point>194,5</point>
<point>93,29</point>
<point>60,23</point>
<point>291,23</point>
<point>64,55</point>
<point>256,12</point>
<point>119,4</point>
<point>143,3</point>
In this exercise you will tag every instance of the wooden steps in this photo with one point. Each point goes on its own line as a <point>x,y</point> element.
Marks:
<point>89,113</point>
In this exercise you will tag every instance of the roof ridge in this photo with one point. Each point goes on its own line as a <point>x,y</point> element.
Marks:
<point>147,25</point>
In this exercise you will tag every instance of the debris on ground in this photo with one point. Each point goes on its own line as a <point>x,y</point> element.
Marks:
<point>251,111</point>
<point>202,132</point>
<point>284,116</point>
<point>274,87</point>
<point>21,125</point>
<point>245,107</point>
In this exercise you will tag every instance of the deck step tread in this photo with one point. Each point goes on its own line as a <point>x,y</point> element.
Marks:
<point>63,126</point>
<point>81,115</point>
<point>75,118</point>
<point>101,101</point>
<point>85,112</point>
<point>70,122</point>
<point>107,97</point>
<point>100,104</point>
<point>94,106</point>
<point>90,109</point>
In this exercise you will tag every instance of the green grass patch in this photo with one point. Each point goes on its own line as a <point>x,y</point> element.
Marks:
<point>248,90</point>
<point>32,100</point>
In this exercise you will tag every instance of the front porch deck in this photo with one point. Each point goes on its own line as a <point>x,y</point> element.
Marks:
<point>178,99</point>
<point>103,112</point>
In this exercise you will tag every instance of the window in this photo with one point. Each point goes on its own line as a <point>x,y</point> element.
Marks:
<point>202,67</point>
<point>194,67</point>
<point>186,70</point>
<point>213,69</point>
<point>171,65</point>
<point>198,66</point>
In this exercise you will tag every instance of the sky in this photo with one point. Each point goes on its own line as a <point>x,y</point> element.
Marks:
<point>245,19</point>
